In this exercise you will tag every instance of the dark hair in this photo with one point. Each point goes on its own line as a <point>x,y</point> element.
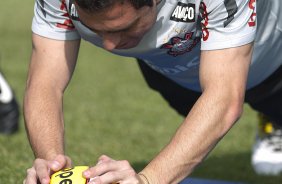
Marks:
<point>99,5</point>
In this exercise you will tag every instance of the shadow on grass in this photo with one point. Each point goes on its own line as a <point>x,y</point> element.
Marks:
<point>229,167</point>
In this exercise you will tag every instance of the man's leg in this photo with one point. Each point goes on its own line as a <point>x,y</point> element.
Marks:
<point>9,110</point>
<point>179,98</point>
<point>266,98</point>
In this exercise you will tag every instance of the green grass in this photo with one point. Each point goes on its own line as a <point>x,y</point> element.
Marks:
<point>109,110</point>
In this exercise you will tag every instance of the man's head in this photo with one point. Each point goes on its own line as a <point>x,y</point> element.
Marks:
<point>120,23</point>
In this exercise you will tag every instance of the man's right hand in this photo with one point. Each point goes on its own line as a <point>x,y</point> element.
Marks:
<point>42,169</point>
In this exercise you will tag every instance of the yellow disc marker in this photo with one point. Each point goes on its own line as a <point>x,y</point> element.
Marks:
<point>69,176</point>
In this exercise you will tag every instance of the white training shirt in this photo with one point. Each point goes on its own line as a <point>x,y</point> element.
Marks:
<point>183,28</point>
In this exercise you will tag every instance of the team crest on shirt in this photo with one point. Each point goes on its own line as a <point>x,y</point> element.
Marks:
<point>178,46</point>
<point>184,12</point>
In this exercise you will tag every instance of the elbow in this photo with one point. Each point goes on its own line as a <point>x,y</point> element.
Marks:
<point>233,113</point>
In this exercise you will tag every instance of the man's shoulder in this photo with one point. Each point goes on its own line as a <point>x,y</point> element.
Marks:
<point>52,19</point>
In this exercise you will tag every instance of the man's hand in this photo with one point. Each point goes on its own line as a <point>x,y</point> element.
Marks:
<point>109,171</point>
<point>42,169</point>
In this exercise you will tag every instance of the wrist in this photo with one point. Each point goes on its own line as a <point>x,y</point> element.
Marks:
<point>48,155</point>
<point>143,178</point>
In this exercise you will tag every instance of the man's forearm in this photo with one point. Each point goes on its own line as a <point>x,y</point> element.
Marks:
<point>51,67</point>
<point>205,125</point>
<point>223,76</point>
<point>44,122</point>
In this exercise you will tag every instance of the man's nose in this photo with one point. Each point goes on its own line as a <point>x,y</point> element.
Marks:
<point>111,40</point>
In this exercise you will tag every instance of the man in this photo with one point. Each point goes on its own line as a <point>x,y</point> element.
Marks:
<point>197,54</point>
<point>9,109</point>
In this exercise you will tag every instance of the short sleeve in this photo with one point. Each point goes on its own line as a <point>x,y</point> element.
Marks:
<point>51,20</point>
<point>227,23</point>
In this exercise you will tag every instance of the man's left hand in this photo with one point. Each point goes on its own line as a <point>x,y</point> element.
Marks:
<point>110,171</point>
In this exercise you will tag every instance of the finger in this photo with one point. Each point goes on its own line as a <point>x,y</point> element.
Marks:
<point>99,169</point>
<point>114,177</point>
<point>60,162</point>
<point>68,161</point>
<point>30,176</point>
<point>105,167</point>
<point>95,180</point>
<point>42,171</point>
<point>104,158</point>
<point>111,177</point>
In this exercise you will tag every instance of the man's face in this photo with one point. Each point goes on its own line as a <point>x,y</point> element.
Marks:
<point>122,26</point>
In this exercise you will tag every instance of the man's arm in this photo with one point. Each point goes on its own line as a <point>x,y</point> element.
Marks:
<point>223,75</point>
<point>51,67</point>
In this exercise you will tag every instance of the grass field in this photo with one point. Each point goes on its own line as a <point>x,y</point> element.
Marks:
<point>109,110</point>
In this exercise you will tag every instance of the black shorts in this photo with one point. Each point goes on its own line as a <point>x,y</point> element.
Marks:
<point>265,97</point>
